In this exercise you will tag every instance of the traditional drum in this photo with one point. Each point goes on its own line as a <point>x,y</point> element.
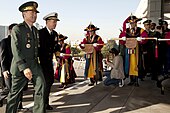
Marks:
<point>88,48</point>
<point>131,43</point>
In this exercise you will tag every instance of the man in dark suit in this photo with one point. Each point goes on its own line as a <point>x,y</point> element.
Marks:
<point>6,58</point>
<point>5,61</point>
<point>25,65</point>
<point>48,42</point>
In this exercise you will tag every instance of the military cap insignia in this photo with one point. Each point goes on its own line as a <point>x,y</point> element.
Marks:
<point>34,5</point>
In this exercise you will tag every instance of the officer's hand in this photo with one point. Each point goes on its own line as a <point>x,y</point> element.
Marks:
<point>6,74</point>
<point>28,73</point>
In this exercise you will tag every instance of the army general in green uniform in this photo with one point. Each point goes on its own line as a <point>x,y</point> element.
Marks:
<point>25,66</point>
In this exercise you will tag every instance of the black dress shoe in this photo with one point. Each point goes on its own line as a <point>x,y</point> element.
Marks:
<point>64,86</point>
<point>1,103</point>
<point>130,84</point>
<point>136,84</point>
<point>61,86</point>
<point>22,109</point>
<point>48,107</point>
<point>91,84</point>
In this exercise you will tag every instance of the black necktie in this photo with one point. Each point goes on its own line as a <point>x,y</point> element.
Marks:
<point>51,33</point>
<point>32,28</point>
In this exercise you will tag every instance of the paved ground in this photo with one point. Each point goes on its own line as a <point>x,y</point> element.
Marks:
<point>80,98</point>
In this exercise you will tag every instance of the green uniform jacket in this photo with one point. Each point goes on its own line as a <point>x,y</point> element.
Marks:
<point>24,44</point>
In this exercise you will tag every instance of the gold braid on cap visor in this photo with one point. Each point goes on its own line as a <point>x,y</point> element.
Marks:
<point>29,8</point>
<point>51,18</point>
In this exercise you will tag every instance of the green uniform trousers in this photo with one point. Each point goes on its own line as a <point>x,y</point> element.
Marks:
<point>18,83</point>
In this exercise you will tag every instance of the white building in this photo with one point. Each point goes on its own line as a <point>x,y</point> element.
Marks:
<point>3,32</point>
<point>154,10</point>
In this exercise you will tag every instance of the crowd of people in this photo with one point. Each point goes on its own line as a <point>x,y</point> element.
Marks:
<point>145,51</point>
<point>27,56</point>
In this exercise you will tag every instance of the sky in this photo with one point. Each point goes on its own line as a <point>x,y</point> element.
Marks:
<point>76,15</point>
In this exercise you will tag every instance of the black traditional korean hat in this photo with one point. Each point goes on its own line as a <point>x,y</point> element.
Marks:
<point>62,37</point>
<point>133,19</point>
<point>91,27</point>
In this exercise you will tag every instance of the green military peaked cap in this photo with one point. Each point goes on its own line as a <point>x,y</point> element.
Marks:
<point>29,6</point>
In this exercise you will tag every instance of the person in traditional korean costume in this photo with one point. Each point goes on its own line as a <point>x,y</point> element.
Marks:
<point>94,67</point>
<point>133,57</point>
<point>65,70</point>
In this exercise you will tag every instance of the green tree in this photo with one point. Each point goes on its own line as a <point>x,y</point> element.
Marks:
<point>109,45</point>
<point>75,50</point>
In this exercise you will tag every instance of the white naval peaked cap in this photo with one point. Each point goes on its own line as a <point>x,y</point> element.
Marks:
<point>51,16</point>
